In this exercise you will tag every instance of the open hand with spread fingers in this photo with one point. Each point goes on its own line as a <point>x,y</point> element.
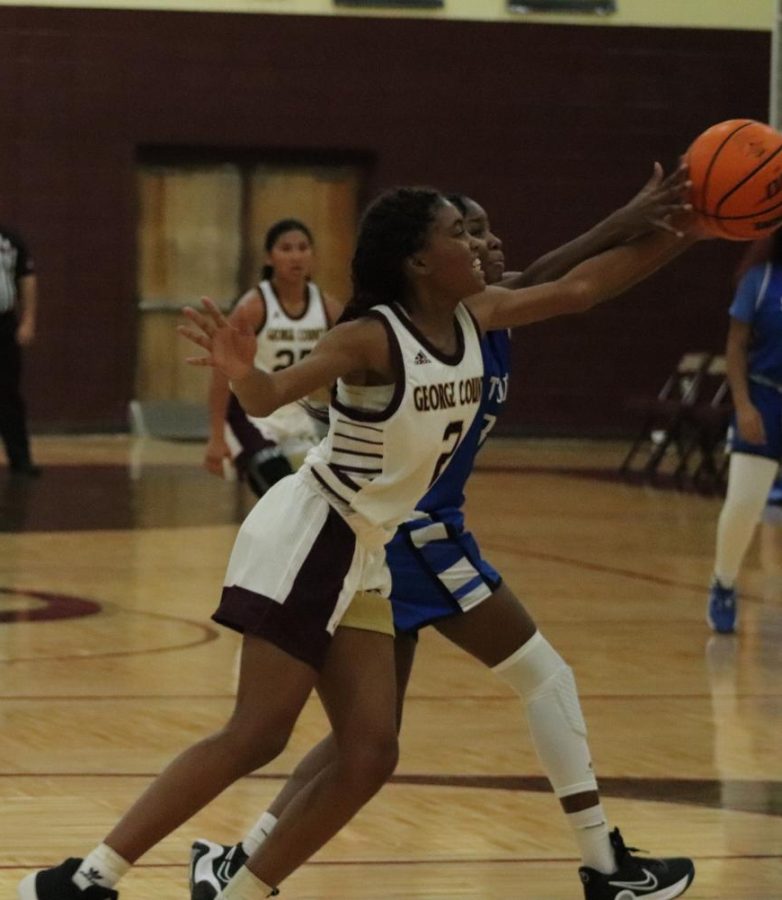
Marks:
<point>229,347</point>
<point>660,204</point>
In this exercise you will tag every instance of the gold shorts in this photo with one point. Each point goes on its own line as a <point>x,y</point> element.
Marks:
<point>369,611</point>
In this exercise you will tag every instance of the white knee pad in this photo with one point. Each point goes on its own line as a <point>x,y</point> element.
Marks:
<point>545,682</point>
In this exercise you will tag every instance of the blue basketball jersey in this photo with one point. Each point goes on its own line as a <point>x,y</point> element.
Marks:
<point>436,566</point>
<point>758,302</point>
<point>446,496</point>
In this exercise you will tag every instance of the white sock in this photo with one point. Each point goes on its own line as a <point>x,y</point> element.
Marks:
<point>258,833</point>
<point>103,866</point>
<point>591,832</point>
<point>749,481</point>
<point>245,886</point>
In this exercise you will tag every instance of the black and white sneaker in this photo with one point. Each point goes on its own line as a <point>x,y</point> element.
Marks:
<point>57,884</point>
<point>212,866</point>
<point>637,878</point>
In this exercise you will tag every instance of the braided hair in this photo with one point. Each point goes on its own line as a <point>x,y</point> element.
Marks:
<point>393,228</point>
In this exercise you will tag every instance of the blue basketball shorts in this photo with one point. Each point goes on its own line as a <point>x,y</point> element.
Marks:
<point>768,401</point>
<point>436,571</point>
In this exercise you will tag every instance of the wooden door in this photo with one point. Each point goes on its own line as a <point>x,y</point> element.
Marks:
<point>201,231</point>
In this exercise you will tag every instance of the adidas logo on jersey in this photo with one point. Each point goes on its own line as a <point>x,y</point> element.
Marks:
<point>421,358</point>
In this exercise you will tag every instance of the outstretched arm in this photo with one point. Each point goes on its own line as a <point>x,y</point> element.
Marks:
<point>659,201</point>
<point>354,347</point>
<point>589,283</point>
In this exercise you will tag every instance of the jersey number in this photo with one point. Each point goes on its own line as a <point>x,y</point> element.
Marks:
<point>488,424</point>
<point>452,433</point>
<point>288,358</point>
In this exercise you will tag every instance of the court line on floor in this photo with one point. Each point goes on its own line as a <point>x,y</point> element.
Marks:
<point>700,588</point>
<point>748,795</point>
<point>410,697</point>
<point>435,860</point>
<point>208,634</point>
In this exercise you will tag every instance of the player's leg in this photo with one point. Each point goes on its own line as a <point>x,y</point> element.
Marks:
<point>324,753</point>
<point>212,865</point>
<point>293,565</point>
<point>256,733</point>
<point>468,604</point>
<point>257,457</point>
<point>501,634</point>
<point>751,473</point>
<point>359,694</point>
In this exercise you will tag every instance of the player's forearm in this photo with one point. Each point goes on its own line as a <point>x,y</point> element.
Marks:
<point>617,270</point>
<point>556,263</point>
<point>217,401</point>
<point>258,393</point>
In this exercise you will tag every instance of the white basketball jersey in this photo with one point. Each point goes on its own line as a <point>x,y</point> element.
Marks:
<point>386,447</point>
<point>282,341</point>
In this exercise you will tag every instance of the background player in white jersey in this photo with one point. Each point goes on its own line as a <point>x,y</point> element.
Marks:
<point>303,552</point>
<point>440,577</point>
<point>289,315</point>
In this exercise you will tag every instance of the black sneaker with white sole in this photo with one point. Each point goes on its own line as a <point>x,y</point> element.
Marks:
<point>57,884</point>
<point>637,877</point>
<point>212,866</point>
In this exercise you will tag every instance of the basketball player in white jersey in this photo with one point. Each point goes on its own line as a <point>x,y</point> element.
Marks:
<point>407,366</point>
<point>440,578</point>
<point>289,315</point>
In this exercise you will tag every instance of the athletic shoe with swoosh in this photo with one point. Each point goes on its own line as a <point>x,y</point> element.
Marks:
<point>637,877</point>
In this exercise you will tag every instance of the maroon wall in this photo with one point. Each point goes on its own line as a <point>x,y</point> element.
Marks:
<point>550,127</point>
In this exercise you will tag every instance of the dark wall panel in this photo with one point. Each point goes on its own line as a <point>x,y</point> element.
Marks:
<point>549,126</point>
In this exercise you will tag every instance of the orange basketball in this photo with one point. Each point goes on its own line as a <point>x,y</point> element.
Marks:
<point>736,174</point>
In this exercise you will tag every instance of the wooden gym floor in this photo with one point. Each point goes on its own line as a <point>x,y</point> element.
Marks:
<point>110,566</point>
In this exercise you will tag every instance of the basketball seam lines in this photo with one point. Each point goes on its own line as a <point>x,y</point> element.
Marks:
<point>743,182</point>
<point>714,158</point>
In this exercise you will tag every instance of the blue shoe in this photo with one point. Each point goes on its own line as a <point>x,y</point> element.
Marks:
<point>723,608</point>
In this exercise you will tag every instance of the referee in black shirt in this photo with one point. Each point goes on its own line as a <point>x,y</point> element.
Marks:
<point>18,296</point>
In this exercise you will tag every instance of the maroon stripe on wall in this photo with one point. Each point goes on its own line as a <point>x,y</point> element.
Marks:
<point>559,126</point>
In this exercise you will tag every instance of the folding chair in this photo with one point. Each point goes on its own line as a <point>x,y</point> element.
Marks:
<point>706,426</point>
<point>663,415</point>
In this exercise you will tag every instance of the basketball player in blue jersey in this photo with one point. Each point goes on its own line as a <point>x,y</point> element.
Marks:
<point>439,577</point>
<point>754,364</point>
<point>313,544</point>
